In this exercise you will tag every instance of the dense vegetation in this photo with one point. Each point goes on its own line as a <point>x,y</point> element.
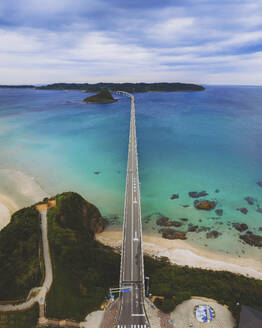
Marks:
<point>177,283</point>
<point>20,319</point>
<point>83,268</point>
<point>128,87</point>
<point>103,96</point>
<point>16,86</point>
<point>19,255</point>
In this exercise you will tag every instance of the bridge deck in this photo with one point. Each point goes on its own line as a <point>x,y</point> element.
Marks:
<point>132,313</point>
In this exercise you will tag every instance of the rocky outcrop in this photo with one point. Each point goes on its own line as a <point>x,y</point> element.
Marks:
<point>213,234</point>
<point>172,234</point>
<point>206,205</point>
<point>164,221</point>
<point>240,226</point>
<point>195,194</point>
<point>251,239</point>
<point>174,196</point>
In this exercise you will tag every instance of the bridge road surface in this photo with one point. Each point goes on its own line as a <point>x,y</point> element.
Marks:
<point>132,313</point>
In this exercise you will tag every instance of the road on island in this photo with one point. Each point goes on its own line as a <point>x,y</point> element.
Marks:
<point>132,313</point>
<point>40,297</point>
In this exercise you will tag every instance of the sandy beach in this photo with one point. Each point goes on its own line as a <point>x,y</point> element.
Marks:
<point>7,208</point>
<point>182,253</point>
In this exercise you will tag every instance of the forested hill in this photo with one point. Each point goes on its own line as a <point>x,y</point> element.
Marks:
<point>128,87</point>
<point>16,86</point>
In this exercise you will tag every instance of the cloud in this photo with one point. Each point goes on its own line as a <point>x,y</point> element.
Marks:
<point>87,40</point>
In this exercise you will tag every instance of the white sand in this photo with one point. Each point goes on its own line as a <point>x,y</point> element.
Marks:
<point>182,253</point>
<point>24,184</point>
<point>7,207</point>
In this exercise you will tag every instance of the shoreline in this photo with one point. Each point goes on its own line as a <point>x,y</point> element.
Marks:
<point>7,208</point>
<point>183,253</point>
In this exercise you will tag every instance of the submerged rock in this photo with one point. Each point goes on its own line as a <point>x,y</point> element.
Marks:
<point>259,183</point>
<point>213,234</point>
<point>202,228</point>
<point>184,219</point>
<point>219,212</point>
<point>173,234</point>
<point>185,205</point>
<point>250,200</point>
<point>97,172</point>
<point>206,205</point>
<point>251,239</point>
<point>217,191</point>
<point>240,226</point>
<point>166,223</point>
<point>260,228</point>
<point>174,196</point>
<point>195,194</point>
<point>243,210</point>
<point>259,209</point>
<point>192,228</point>
<point>162,221</point>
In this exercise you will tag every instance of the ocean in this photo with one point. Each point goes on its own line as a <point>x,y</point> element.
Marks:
<point>51,141</point>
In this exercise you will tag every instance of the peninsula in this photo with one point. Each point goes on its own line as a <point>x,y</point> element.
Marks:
<point>80,260</point>
<point>102,97</point>
<point>127,87</point>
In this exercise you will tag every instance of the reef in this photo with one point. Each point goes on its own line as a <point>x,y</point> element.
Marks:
<point>219,212</point>
<point>206,205</point>
<point>250,200</point>
<point>251,239</point>
<point>195,194</point>
<point>243,210</point>
<point>174,196</point>
<point>213,234</point>
<point>164,221</point>
<point>240,226</point>
<point>173,234</point>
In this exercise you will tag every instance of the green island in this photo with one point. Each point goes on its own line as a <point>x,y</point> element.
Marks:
<point>2,86</point>
<point>80,262</point>
<point>103,97</point>
<point>127,87</point>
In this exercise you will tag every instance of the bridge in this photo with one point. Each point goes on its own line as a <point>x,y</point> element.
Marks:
<point>132,313</point>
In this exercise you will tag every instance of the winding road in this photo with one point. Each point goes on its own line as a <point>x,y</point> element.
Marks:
<point>40,297</point>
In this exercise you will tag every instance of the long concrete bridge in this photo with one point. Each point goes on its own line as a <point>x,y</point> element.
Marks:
<point>132,313</point>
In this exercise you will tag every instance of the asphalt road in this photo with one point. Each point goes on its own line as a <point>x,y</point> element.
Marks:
<point>132,313</point>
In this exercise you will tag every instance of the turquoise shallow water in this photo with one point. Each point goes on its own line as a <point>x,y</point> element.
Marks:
<point>186,141</point>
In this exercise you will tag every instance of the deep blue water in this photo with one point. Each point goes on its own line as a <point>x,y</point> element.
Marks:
<point>186,141</point>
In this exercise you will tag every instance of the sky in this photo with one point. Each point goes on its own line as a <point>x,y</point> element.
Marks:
<point>197,41</point>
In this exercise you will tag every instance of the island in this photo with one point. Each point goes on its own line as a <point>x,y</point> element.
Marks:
<point>127,87</point>
<point>102,97</point>
<point>16,86</point>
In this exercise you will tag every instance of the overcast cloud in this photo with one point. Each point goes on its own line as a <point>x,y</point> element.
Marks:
<point>201,41</point>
